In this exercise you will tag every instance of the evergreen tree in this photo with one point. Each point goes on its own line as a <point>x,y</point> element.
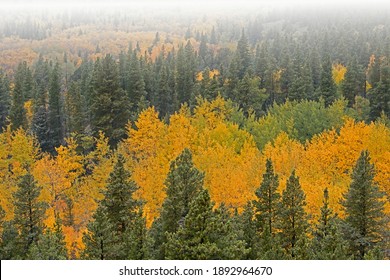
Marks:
<point>328,243</point>
<point>327,88</point>
<point>101,241</point>
<point>135,83</point>
<point>54,110</point>
<point>29,213</point>
<point>10,248</point>
<point>379,96</point>
<point>354,82</point>
<point>50,246</point>
<point>248,95</point>
<point>18,116</point>
<point>183,183</point>
<point>204,235</point>
<point>267,205</point>
<point>293,219</point>
<point>248,227</point>
<point>120,206</point>
<point>185,73</point>
<point>364,206</point>
<point>110,105</point>
<point>5,100</point>
<point>74,108</point>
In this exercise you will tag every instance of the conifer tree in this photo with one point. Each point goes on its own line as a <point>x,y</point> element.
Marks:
<point>354,82</point>
<point>204,235</point>
<point>110,105</point>
<point>248,226</point>
<point>10,248</point>
<point>183,183</point>
<point>267,205</point>
<point>327,242</point>
<point>293,219</point>
<point>54,111</point>
<point>5,100</point>
<point>364,205</point>
<point>120,206</point>
<point>50,246</point>
<point>101,241</point>
<point>29,213</point>
<point>135,83</point>
<point>18,116</point>
<point>327,88</point>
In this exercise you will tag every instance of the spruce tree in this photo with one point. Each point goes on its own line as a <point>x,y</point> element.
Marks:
<point>250,235</point>
<point>183,183</point>
<point>135,83</point>
<point>327,242</point>
<point>10,248</point>
<point>29,213</point>
<point>54,110</point>
<point>354,82</point>
<point>101,240</point>
<point>5,100</point>
<point>327,88</point>
<point>18,116</point>
<point>267,205</point>
<point>119,204</point>
<point>293,219</point>
<point>364,205</point>
<point>50,246</point>
<point>110,107</point>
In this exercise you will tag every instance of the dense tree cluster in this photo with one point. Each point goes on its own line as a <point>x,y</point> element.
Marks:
<point>267,139</point>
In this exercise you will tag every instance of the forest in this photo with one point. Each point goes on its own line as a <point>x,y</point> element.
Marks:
<point>145,133</point>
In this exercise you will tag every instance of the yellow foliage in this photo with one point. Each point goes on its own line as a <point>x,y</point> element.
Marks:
<point>338,72</point>
<point>29,111</point>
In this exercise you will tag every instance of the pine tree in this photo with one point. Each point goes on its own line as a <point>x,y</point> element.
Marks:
<point>327,88</point>
<point>204,235</point>
<point>18,116</point>
<point>119,204</point>
<point>50,246</point>
<point>54,110</point>
<point>327,242</point>
<point>363,205</point>
<point>10,248</point>
<point>293,219</point>
<point>135,83</point>
<point>379,96</point>
<point>247,225</point>
<point>110,105</point>
<point>354,82</point>
<point>5,100</point>
<point>29,213</point>
<point>101,241</point>
<point>183,183</point>
<point>267,205</point>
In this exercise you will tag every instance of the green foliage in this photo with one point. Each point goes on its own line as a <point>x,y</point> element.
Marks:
<point>5,100</point>
<point>327,242</point>
<point>364,206</point>
<point>17,113</point>
<point>291,118</point>
<point>293,219</point>
<point>101,241</point>
<point>110,105</point>
<point>29,213</point>
<point>205,235</point>
<point>267,205</point>
<point>50,246</point>
<point>54,112</point>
